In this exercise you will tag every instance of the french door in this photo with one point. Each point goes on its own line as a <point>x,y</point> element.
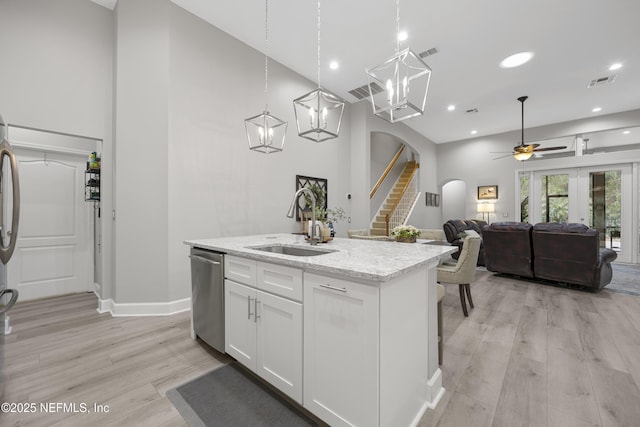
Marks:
<point>598,196</point>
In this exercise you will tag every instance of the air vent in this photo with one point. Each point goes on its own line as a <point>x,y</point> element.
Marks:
<point>471,111</point>
<point>428,52</point>
<point>601,81</point>
<point>362,92</point>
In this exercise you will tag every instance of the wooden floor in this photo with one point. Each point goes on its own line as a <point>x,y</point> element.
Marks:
<point>527,355</point>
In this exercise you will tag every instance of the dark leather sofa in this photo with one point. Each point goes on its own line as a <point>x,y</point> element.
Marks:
<point>560,252</point>
<point>454,227</point>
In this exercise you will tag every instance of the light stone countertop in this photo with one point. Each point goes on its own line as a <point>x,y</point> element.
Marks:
<point>367,260</point>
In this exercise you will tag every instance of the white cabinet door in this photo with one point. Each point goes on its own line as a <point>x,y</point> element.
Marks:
<point>341,350</point>
<point>264,333</point>
<point>279,354</point>
<point>239,325</point>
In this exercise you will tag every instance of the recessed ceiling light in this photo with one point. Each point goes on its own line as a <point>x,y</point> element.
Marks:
<point>597,110</point>
<point>473,132</point>
<point>451,107</point>
<point>615,66</point>
<point>334,65</point>
<point>626,132</point>
<point>516,60</point>
<point>402,36</point>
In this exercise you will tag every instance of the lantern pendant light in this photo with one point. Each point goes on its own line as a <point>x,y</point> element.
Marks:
<point>265,132</point>
<point>319,112</point>
<point>399,85</point>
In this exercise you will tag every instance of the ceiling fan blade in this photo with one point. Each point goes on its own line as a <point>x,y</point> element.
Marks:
<point>525,147</point>
<point>504,157</point>
<point>550,148</point>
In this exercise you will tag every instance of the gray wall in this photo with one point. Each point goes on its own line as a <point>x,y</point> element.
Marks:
<point>472,160</point>
<point>216,185</point>
<point>142,155</point>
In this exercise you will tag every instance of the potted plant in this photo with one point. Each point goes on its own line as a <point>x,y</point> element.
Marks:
<point>333,216</point>
<point>405,233</point>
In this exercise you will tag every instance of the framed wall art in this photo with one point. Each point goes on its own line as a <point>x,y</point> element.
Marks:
<point>487,192</point>
<point>318,186</point>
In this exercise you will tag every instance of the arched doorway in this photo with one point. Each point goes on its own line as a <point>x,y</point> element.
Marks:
<point>454,200</point>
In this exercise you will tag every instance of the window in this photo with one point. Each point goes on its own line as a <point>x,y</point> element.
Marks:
<point>555,198</point>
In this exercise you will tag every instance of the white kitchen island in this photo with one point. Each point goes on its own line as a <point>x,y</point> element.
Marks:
<point>350,334</point>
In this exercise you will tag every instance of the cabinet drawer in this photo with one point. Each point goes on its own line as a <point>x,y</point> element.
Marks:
<point>280,280</point>
<point>240,270</point>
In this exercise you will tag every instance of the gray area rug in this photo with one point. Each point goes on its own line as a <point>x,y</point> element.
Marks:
<point>229,397</point>
<point>626,279</point>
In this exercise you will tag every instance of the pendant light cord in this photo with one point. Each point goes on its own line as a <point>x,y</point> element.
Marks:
<point>266,55</point>
<point>397,26</point>
<point>319,86</point>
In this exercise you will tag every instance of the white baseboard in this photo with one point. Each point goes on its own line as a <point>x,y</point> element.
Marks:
<point>435,391</point>
<point>143,309</point>
<point>7,327</point>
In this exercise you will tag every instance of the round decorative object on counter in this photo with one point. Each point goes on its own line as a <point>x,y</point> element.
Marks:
<point>408,239</point>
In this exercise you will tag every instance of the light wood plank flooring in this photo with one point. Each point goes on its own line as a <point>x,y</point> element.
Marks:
<point>527,355</point>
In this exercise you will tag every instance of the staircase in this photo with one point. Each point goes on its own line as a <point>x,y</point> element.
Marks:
<point>379,225</point>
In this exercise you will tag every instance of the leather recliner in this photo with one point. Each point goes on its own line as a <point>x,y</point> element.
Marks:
<point>508,249</point>
<point>560,252</point>
<point>454,227</point>
<point>571,253</point>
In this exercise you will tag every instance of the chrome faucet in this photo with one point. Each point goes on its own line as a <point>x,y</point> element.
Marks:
<point>313,239</point>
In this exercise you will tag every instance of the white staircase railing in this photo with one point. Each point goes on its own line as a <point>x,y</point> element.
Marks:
<point>405,205</point>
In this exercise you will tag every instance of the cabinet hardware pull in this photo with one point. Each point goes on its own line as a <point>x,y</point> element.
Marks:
<point>256,317</point>
<point>249,307</point>
<point>333,288</point>
<point>201,259</point>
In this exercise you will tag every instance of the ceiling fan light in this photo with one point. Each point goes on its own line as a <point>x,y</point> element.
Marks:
<point>524,155</point>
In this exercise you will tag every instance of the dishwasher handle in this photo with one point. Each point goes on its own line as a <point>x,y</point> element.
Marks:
<point>202,259</point>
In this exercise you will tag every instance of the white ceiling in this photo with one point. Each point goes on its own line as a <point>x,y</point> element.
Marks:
<point>574,41</point>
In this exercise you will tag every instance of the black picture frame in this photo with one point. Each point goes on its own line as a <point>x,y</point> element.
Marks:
<point>303,181</point>
<point>487,192</point>
<point>432,199</point>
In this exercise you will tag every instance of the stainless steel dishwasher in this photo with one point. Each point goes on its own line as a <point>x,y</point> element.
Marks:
<point>207,296</point>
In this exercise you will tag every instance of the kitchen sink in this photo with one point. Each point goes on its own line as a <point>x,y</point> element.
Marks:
<point>291,250</point>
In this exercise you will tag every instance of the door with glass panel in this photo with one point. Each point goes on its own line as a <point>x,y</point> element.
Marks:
<point>599,197</point>
<point>605,204</point>
<point>554,197</point>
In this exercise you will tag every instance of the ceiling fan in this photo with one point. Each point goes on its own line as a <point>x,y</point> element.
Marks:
<point>526,151</point>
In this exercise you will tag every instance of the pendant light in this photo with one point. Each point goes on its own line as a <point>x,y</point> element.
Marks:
<point>266,133</point>
<point>319,112</point>
<point>399,85</point>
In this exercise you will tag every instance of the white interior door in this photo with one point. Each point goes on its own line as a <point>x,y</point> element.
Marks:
<point>54,250</point>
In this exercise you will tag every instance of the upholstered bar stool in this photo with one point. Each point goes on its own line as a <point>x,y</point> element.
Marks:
<point>464,271</point>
